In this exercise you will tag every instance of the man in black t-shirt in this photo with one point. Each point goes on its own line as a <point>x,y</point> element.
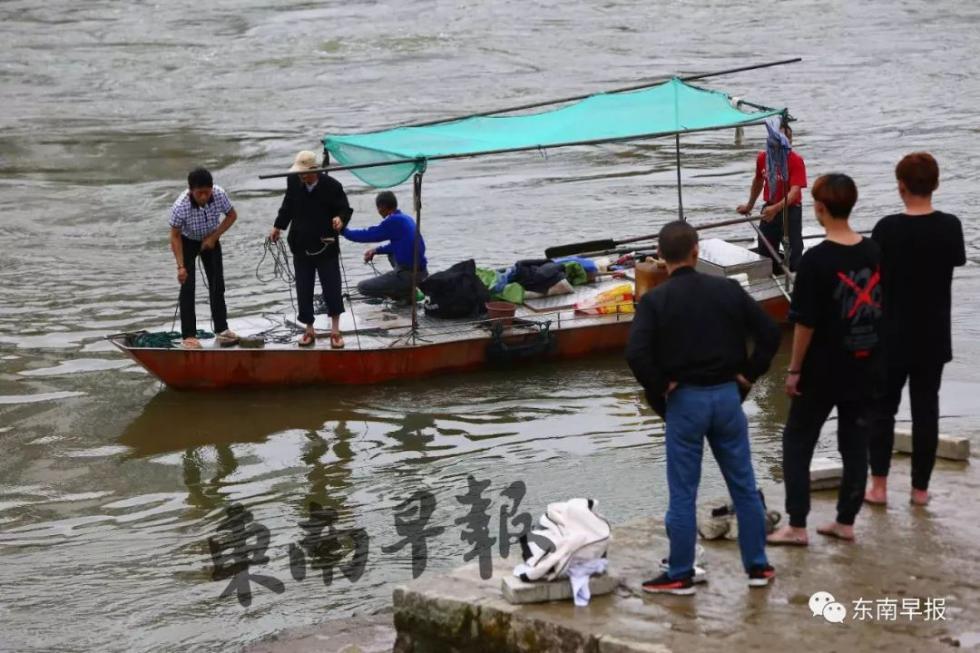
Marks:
<point>919,249</point>
<point>836,307</point>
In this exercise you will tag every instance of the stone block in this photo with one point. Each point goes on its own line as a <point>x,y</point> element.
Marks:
<point>950,447</point>
<point>517,591</point>
<point>825,474</point>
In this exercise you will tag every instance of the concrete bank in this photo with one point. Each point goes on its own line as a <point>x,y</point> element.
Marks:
<point>905,557</point>
<point>909,557</point>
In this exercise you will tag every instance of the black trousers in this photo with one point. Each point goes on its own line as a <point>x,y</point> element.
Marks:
<point>807,414</point>
<point>924,380</point>
<point>307,268</point>
<point>773,231</point>
<point>215,272</point>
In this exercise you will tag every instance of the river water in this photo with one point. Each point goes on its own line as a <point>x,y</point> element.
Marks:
<point>111,485</point>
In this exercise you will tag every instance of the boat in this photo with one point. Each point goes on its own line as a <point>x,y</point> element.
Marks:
<point>387,342</point>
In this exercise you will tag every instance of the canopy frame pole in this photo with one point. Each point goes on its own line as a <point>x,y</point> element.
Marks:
<point>417,204</point>
<point>680,198</point>
<point>624,89</point>
<point>786,243</point>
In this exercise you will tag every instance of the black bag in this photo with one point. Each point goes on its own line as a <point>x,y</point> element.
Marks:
<point>456,292</point>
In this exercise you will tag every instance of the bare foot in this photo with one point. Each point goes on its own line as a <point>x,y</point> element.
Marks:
<point>920,497</point>
<point>839,531</point>
<point>877,494</point>
<point>788,536</point>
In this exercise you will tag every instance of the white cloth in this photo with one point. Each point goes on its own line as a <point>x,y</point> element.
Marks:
<point>578,575</point>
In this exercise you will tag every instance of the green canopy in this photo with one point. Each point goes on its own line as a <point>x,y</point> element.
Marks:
<point>672,107</point>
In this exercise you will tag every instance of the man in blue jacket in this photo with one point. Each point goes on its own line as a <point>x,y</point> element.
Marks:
<point>399,230</point>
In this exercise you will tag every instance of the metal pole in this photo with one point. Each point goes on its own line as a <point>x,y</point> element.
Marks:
<point>680,199</point>
<point>417,201</point>
<point>624,89</point>
<point>786,245</point>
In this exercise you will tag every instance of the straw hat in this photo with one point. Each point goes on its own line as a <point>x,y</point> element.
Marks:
<point>305,160</point>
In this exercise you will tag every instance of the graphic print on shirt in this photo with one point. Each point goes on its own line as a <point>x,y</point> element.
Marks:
<point>859,296</point>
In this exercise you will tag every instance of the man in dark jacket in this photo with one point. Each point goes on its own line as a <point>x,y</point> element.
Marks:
<point>687,348</point>
<point>312,201</point>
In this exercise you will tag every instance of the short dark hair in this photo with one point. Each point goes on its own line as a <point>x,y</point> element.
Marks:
<point>200,178</point>
<point>676,241</point>
<point>837,192</point>
<point>919,172</point>
<point>386,200</point>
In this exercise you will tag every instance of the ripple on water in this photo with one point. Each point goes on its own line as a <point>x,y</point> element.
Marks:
<point>78,366</point>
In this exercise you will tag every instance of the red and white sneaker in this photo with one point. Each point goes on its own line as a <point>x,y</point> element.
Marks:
<point>761,576</point>
<point>663,584</point>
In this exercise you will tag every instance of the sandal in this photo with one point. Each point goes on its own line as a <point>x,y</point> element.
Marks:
<point>307,339</point>
<point>336,341</point>
<point>227,338</point>
<point>190,343</point>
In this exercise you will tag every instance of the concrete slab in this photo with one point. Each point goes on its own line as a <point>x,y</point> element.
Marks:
<point>825,473</point>
<point>903,553</point>
<point>517,591</point>
<point>950,447</point>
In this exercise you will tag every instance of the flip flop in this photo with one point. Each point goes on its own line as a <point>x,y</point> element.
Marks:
<point>190,343</point>
<point>872,502</point>
<point>336,341</point>
<point>830,532</point>
<point>307,340</point>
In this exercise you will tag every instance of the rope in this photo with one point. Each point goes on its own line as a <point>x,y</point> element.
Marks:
<point>281,269</point>
<point>353,317</point>
<point>204,279</point>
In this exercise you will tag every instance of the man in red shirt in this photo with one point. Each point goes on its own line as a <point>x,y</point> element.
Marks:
<point>772,213</point>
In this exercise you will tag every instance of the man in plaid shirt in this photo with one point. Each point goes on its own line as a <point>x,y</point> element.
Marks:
<point>195,227</point>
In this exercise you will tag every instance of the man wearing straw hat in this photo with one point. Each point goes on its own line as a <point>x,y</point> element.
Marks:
<point>311,202</point>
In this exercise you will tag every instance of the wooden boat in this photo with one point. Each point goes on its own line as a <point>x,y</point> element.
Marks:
<point>391,343</point>
<point>384,347</point>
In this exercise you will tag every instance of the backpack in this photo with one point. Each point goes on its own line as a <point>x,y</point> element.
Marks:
<point>567,531</point>
<point>456,292</point>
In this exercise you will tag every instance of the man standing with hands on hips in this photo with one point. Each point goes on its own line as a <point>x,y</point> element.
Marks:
<point>687,348</point>
<point>195,227</point>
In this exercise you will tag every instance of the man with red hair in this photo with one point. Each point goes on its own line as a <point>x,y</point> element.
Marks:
<point>919,249</point>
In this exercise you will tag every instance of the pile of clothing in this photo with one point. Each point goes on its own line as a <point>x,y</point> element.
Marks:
<point>462,290</point>
<point>537,278</point>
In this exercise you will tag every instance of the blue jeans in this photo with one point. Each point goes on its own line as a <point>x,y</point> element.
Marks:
<point>694,412</point>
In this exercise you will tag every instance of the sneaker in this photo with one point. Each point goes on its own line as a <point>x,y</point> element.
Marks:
<point>227,338</point>
<point>663,584</point>
<point>700,575</point>
<point>761,576</point>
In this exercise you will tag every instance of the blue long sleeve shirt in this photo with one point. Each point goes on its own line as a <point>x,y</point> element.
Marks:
<point>399,230</point>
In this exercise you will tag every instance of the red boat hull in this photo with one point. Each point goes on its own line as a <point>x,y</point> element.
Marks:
<point>212,368</point>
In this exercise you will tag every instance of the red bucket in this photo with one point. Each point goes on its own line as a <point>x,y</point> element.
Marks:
<point>502,312</point>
